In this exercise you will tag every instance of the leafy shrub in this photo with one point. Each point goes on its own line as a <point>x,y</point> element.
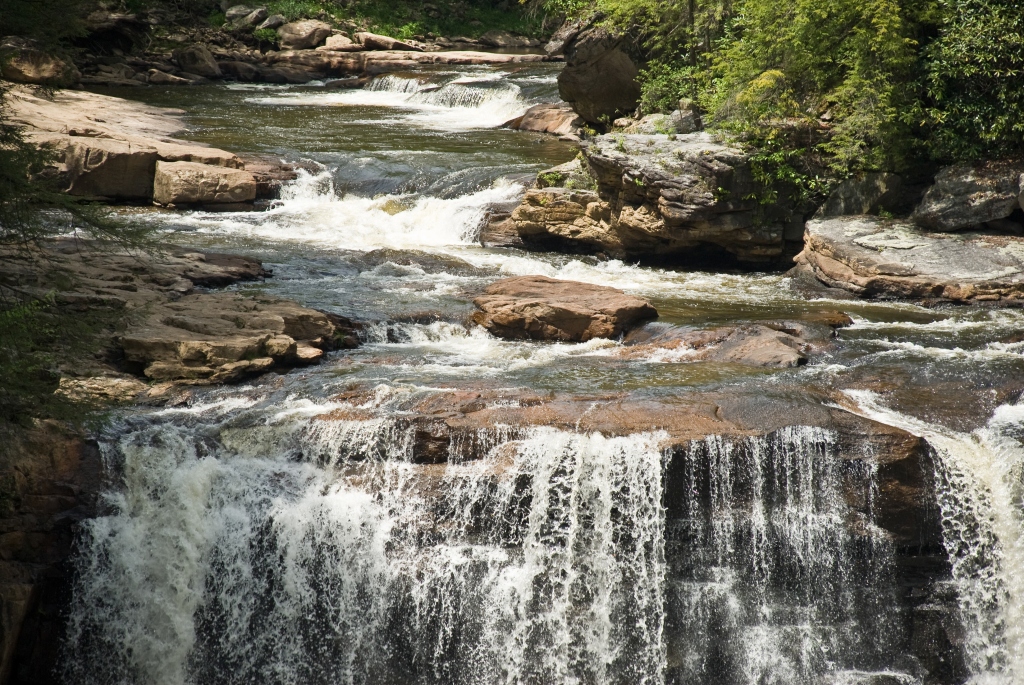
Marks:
<point>265,35</point>
<point>975,80</point>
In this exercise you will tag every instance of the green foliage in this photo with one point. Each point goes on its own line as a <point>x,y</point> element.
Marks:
<point>664,82</point>
<point>265,35</point>
<point>217,19</point>
<point>408,18</point>
<point>975,80</point>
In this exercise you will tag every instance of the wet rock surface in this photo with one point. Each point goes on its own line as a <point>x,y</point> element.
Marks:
<point>874,257</point>
<point>541,308</point>
<point>559,119</point>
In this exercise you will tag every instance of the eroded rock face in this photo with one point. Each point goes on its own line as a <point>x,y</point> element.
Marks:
<point>599,78</point>
<point>966,196</point>
<point>188,183</point>
<point>656,198</point>
<point>302,35</point>
<point>868,194</point>
<point>22,61</point>
<point>874,257</point>
<point>541,308</point>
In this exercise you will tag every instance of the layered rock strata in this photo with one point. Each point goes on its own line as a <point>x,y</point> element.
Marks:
<point>874,257</point>
<point>657,197</point>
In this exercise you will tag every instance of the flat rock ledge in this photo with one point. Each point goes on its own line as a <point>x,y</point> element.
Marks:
<point>874,257</point>
<point>541,308</point>
<point>174,329</point>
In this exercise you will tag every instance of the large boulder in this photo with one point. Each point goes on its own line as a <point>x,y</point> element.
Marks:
<point>339,42</point>
<point>867,194</point>
<point>373,41</point>
<point>658,197</point>
<point>558,118</point>
<point>874,257</point>
<point>599,77</point>
<point>302,35</point>
<point>110,168</point>
<point>541,308</point>
<point>197,59</point>
<point>23,61</point>
<point>967,195</point>
<point>189,183</point>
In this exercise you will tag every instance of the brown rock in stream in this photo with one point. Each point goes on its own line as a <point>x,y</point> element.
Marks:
<point>541,308</point>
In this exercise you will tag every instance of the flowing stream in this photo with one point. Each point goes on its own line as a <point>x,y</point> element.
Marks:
<point>280,531</point>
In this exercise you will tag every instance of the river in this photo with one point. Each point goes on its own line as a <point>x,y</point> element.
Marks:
<point>246,539</point>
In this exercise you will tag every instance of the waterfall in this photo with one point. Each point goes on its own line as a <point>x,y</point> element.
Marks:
<point>775,578</point>
<point>293,549</point>
<point>980,489</point>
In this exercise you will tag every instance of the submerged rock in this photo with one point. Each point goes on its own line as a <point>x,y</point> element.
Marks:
<point>541,308</point>
<point>874,257</point>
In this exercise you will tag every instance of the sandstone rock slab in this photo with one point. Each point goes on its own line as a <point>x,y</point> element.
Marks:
<point>541,308</point>
<point>110,168</point>
<point>874,257</point>
<point>374,41</point>
<point>189,183</point>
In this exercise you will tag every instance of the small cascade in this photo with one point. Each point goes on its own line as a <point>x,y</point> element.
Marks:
<point>980,491</point>
<point>389,83</point>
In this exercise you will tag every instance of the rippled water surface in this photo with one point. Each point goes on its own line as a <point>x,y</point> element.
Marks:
<point>250,543</point>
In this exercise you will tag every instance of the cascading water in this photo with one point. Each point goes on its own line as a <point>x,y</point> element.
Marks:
<point>231,558</point>
<point>249,538</point>
<point>980,490</point>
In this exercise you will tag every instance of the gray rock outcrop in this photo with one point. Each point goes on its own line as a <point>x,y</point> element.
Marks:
<point>966,196</point>
<point>656,198</point>
<point>302,35</point>
<point>873,257</point>
<point>541,308</point>
<point>599,78</point>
